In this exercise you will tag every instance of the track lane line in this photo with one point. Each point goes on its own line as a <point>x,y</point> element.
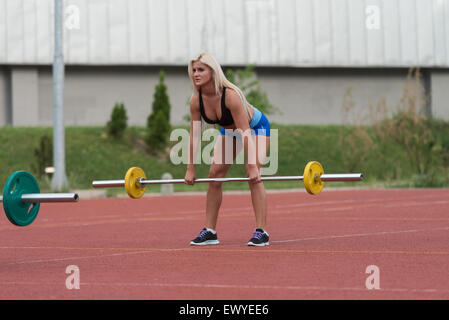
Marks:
<point>230,286</point>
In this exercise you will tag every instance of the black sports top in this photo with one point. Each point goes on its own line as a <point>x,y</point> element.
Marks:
<point>226,116</point>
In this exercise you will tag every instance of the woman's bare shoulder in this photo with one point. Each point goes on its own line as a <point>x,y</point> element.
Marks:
<point>195,100</point>
<point>232,98</point>
<point>195,97</point>
<point>231,95</point>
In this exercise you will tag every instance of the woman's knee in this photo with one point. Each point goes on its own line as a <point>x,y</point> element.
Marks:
<point>217,171</point>
<point>263,145</point>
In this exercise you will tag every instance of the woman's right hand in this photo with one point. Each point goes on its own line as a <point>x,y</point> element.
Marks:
<point>190,176</point>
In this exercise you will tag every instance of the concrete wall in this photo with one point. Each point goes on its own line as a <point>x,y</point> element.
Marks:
<point>24,96</point>
<point>440,94</point>
<point>315,96</point>
<point>304,96</point>
<point>5,99</point>
<point>90,93</point>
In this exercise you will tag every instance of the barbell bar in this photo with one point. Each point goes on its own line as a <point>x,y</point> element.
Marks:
<point>47,197</point>
<point>135,180</point>
<point>22,198</point>
<point>144,182</point>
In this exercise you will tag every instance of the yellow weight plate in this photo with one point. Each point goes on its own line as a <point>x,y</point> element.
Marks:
<point>132,185</point>
<point>312,180</point>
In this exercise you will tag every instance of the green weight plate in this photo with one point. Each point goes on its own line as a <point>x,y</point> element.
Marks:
<point>17,211</point>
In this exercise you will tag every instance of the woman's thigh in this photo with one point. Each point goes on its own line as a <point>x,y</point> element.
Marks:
<point>258,154</point>
<point>262,147</point>
<point>223,156</point>
<point>227,148</point>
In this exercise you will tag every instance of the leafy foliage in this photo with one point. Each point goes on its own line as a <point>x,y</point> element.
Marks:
<point>246,79</point>
<point>43,155</point>
<point>158,122</point>
<point>117,124</point>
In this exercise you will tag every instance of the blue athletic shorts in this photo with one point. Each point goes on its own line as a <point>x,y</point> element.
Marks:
<point>259,125</point>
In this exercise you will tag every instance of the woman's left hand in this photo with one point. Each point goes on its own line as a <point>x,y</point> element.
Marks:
<point>253,173</point>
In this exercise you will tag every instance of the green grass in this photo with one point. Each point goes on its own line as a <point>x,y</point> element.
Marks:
<point>91,155</point>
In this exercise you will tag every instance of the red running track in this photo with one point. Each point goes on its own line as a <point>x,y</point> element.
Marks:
<point>320,248</point>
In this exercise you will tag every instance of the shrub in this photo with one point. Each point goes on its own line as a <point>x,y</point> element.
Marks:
<point>411,130</point>
<point>43,155</point>
<point>159,132</point>
<point>246,79</point>
<point>420,138</point>
<point>158,122</point>
<point>355,140</point>
<point>117,124</point>
<point>248,82</point>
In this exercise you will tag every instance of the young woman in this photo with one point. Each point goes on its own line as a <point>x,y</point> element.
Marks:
<point>216,100</point>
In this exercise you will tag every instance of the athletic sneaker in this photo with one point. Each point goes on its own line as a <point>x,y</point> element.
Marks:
<point>205,237</point>
<point>260,238</point>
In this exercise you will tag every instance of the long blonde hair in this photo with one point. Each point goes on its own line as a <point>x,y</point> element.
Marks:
<point>219,78</point>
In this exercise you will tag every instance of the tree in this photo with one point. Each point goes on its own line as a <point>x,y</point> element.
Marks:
<point>158,122</point>
<point>248,82</point>
<point>117,124</point>
<point>43,155</point>
<point>246,79</point>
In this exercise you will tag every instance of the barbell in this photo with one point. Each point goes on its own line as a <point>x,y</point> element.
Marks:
<point>22,198</point>
<point>135,181</point>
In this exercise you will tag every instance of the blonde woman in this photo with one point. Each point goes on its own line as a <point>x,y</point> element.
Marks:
<point>217,101</point>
